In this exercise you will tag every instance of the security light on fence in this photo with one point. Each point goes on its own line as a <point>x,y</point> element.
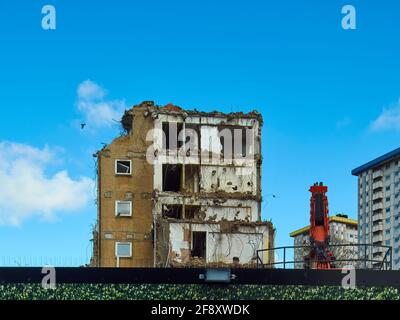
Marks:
<point>217,276</point>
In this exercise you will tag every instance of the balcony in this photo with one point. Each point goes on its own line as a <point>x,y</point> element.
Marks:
<point>377,239</point>
<point>377,250</point>
<point>377,217</point>
<point>377,185</point>
<point>377,228</point>
<point>377,174</point>
<point>377,195</point>
<point>377,206</point>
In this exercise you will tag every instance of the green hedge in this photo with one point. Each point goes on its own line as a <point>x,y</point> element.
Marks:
<point>192,292</point>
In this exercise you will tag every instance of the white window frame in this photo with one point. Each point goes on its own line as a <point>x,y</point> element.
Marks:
<point>116,208</point>
<point>123,242</point>
<point>123,174</point>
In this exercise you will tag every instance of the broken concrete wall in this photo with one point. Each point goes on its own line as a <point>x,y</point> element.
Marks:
<point>222,244</point>
<point>228,179</point>
<point>210,129</point>
<point>212,209</point>
<point>224,191</point>
<point>237,177</point>
<point>214,195</point>
<point>209,140</point>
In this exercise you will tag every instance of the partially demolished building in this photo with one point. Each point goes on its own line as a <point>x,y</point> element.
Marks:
<point>181,188</point>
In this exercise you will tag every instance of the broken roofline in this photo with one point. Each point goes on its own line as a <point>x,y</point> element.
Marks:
<point>178,111</point>
<point>242,223</point>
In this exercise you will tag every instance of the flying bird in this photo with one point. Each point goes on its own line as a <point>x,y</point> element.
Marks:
<point>83,125</point>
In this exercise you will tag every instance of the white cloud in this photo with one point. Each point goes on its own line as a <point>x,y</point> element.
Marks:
<point>89,90</point>
<point>389,119</point>
<point>26,190</point>
<point>97,111</point>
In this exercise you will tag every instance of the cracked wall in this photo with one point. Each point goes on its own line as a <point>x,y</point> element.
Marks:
<point>209,205</point>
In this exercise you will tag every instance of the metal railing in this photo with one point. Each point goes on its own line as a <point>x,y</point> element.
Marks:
<point>39,261</point>
<point>360,258</point>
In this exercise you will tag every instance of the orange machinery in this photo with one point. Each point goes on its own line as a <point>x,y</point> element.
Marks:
<point>319,257</point>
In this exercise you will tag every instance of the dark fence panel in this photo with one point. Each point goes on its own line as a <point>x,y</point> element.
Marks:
<point>196,276</point>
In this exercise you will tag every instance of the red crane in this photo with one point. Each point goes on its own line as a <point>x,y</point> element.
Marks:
<point>319,257</point>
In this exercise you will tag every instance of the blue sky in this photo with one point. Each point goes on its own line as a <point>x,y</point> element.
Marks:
<point>329,98</point>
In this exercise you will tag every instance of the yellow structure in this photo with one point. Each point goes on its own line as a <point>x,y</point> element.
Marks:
<point>346,221</point>
<point>342,231</point>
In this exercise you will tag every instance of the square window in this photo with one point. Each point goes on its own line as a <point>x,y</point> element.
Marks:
<point>123,249</point>
<point>123,208</point>
<point>123,167</point>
